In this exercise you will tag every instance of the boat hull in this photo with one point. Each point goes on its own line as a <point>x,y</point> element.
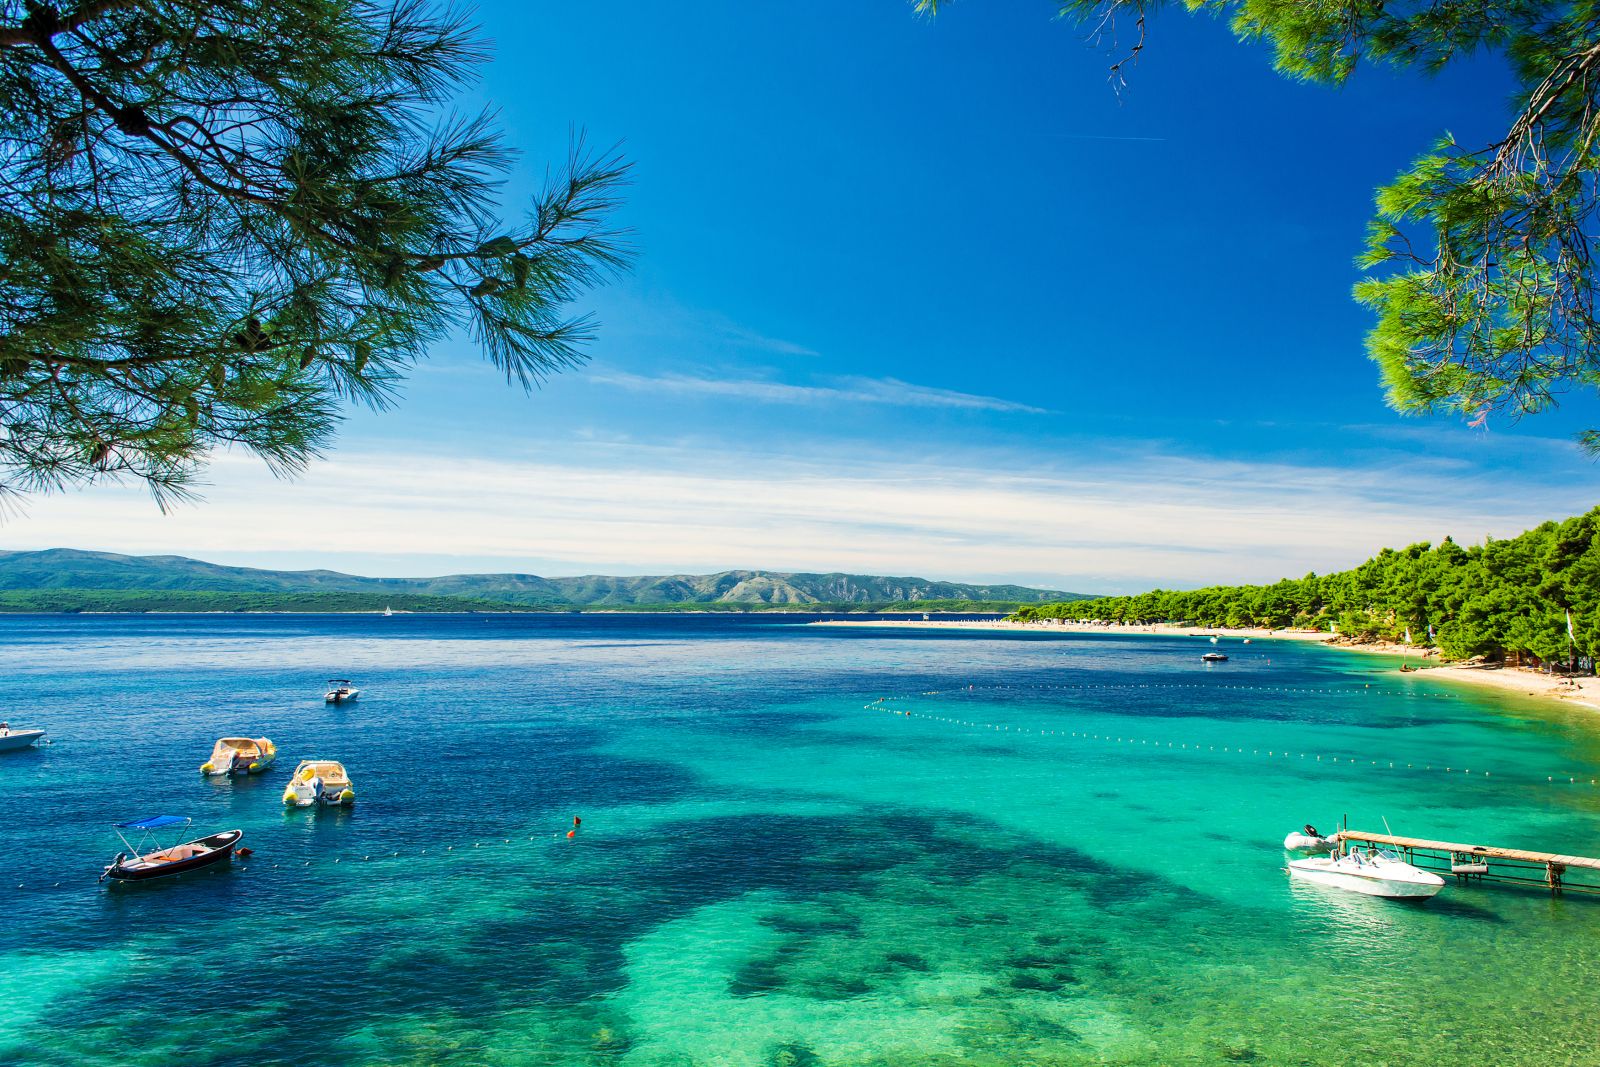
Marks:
<point>1419,885</point>
<point>219,850</point>
<point>240,767</point>
<point>19,739</point>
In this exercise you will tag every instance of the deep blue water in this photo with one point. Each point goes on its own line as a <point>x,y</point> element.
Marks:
<point>1065,853</point>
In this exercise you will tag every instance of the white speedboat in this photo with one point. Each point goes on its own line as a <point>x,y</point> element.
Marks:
<point>1214,657</point>
<point>319,782</point>
<point>1375,872</point>
<point>340,691</point>
<point>1308,840</point>
<point>11,740</point>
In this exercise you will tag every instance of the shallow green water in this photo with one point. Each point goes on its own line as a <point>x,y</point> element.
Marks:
<point>775,868</point>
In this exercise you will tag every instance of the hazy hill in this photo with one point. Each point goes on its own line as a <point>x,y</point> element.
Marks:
<point>65,568</point>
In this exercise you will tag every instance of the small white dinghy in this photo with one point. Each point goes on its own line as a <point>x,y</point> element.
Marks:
<point>1375,872</point>
<point>1308,840</point>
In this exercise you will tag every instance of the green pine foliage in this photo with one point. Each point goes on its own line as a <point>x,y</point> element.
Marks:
<point>223,221</point>
<point>1491,600</point>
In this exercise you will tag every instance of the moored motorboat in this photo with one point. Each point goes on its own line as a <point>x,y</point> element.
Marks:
<point>240,755</point>
<point>1214,657</point>
<point>1375,872</point>
<point>319,782</point>
<point>137,864</point>
<point>12,740</point>
<point>340,691</point>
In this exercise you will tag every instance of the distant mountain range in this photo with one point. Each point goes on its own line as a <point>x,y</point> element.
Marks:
<point>46,577</point>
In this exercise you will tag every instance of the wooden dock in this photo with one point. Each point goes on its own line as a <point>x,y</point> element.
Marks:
<point>1551,870</point>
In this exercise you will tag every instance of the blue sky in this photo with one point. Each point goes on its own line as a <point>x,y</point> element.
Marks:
<point>919,296</point>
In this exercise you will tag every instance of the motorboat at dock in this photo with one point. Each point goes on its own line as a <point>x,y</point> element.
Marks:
<point>1375,872</point>
<point>319,782</point>
<point>180,857</point>
<point>240,755</point>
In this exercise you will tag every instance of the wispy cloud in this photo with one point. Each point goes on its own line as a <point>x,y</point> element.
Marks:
<point>1104,137</point>
<point>659,317</point>
<point>887,391</point>
<point>1101,519</point>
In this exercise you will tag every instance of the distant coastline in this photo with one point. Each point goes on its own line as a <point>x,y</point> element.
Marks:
<point>1584,692</point>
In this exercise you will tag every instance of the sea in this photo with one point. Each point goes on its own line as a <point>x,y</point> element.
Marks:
<point>799,845</point>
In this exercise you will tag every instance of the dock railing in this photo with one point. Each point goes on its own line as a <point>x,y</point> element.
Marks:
<point>1467,862</point>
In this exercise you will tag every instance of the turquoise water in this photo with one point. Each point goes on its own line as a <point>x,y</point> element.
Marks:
<point>1072,861</point>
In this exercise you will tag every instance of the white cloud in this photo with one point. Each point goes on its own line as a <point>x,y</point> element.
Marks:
<point>886,391</point>
<point>1110,520</point>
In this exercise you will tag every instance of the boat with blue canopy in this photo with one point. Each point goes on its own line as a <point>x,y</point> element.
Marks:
<point>142,861</point>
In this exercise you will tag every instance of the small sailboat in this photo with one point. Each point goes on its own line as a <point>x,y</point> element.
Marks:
<point>240,755</point>
<point>387,611</point>
<point>137,864</point>
<point>340,691</point>
<point>320,782</point>
<point>1375,872</point>
<point>15,740</point>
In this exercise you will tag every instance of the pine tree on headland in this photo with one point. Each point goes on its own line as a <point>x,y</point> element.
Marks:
<point>1482,273</point>
<point>221,221</point>
<point>1537,594</point>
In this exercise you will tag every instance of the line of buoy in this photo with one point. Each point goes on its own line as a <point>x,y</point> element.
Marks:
<point>557,835</point>
<point>1120,686</point>
<point>882,704</point>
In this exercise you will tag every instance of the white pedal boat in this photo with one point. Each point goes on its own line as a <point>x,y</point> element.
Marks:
<point>1375,872</point>
<point>321,782</point>
<point>240,755</point>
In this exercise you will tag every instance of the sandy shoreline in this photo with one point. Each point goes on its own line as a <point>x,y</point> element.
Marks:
<point>1584,692</point>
